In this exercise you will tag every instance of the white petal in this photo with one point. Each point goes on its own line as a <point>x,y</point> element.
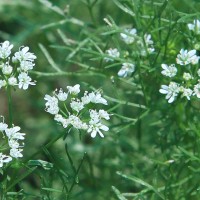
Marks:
<point>163,91</point>
<point>93,134</point>
<point>171,99</point>
<point>164,66</point>
<point>192,53</point>
<point>191,26</point>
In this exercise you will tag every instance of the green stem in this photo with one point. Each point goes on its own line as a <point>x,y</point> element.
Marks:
<point>9,105</point>
<point>4,185</point>
<point>49,144</point>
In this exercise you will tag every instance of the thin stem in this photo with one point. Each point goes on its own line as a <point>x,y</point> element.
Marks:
<point>49,144</point>
<point>75,181</point>
<point>9,105</point>
<point>3,197</point>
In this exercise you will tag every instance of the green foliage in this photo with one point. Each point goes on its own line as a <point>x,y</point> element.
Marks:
<point>152,150</point>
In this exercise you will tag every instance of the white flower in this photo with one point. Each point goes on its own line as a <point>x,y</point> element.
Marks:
<point>197,90</point>
<point>13,144</point>
<point>114,53</point>
<point>50,100</point>
<point>147,39</point>
<point>78,119</point>
<point>2,83</point>
<point>186,57</point>
<point>24,81</point>
<point>195,27</point>
<point>129,36</point>
<point>5,49</point>
<point>149,43</point>
<point>169,71</point>
<point>94,115</point>
<point>195,60</point>
<point>65,123</point>
<point>77,123</point>
<point>74,89</point>
<point>62,120</point>
<point>85,99</point>
<point>77,105</point>
<point>62,96</point>
<point>126,70</point>
<point>12,136</point>
<point>3,126</point>
<point>58,118</point>
<point>4,159</point>
<point>172,91</point>
<point>13,133</point>
<point>187,76</point>
<point>16,153</point>
<point>12,81</point>
<point>51,104</point>
<point>24,55</point>
<point>7,69</point>
<point>104,114</point>
<point>96,127</point>
<point>97,98</point>
<point>187,92</point>
<point>146,45</point>
<point>26,65</point>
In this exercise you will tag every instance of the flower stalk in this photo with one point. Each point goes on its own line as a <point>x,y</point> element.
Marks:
<point>9,97</point>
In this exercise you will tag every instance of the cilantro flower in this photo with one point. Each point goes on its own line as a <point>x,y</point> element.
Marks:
<point>7,70</point>
<point>186,92</point>
<point>197,90</point>
<point>187,76</point>
<point>78,114</point>
<point>129,36</point>
<point>126,70</point>
<point>169,71</point>
<point>2,83</point>
<point>97,98</point>
<point>5,49</point>
<point>149,43</point>
<point>62,96</point>
<point>74,89</point>
<point>14,140</point>
<point>24,55</point>
<point>96,127</point>
<point>171,91</point>
<point>195,27</point>
<point>12,81</point>
<point>25,65</point>
<point>76,105</point>
<point>14,69</point>
<point>146,45</point>
<point>4,159</point>
<point>186,57</point>
<point>24,81</point>
<point>113,53</point>
<point>51,104</point>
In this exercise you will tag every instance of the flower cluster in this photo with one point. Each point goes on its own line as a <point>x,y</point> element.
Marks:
<point>144,45</point>
<point>188,81</point>
<point>11,143</point>
<point>78,115</point>
<point>14,70</point>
